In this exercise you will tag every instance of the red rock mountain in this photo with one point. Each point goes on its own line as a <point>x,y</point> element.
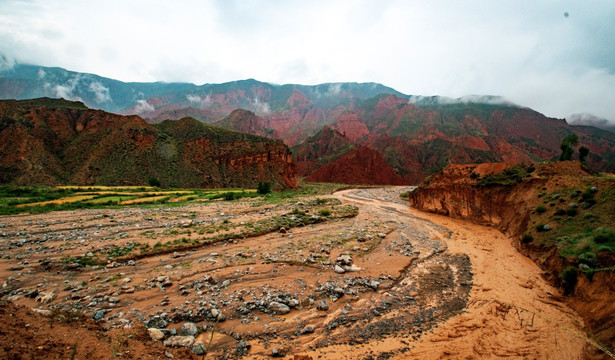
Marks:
<point>246,122</point>
<point>359,166</point>
<point>323,148</point>
<point>417,136</point>
<point>51,142</point>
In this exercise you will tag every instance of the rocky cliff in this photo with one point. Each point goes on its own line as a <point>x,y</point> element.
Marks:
<point>359,166</point>
<point>561,215</point>
<point>46,141</point>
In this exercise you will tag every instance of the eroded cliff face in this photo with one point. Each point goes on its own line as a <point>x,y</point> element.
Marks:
<point>359,166</point>
<point>52,142</point>
<point>517,199</point>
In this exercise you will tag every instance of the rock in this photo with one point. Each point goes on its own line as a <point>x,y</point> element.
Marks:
<point>573,205</point>
<point>114,299</point>
<point>344,259</point>
<point>593,189</point>
<point>323,305</point>
<point>189,329</point>
<point>275,352</point>
<point>374,284</point>
<point>338,269</point>
<point>308,329</point>
<point>179,341</point>
<point>218,315</point>
<point>99,315</point>
<point>198,348</point>
<point>382,235</point>
<point>282,230</point>
<point>155,334</point>
<point>157,323</point>
<point>177,254</point>
<point>279,308</point>
<point>131,263</point>
<point>355,268</point>
<point>45,297</point>
<point>293,303</point>
<point>42,311</point>
<point>546,228</point>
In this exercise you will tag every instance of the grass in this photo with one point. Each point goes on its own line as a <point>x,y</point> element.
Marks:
<point>582,222</point>
<point>40,199</point>
<point>509,177</point>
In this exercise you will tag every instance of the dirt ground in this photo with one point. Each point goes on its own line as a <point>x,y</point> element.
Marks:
<point>389,283</point>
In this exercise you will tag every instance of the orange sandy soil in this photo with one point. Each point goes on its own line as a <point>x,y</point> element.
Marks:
<point>423,286</point>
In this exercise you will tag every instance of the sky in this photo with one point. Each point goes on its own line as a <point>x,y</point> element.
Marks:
<point>555,56</point>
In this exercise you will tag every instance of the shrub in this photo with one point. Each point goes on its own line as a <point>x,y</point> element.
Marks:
<point>153,182</point>
<point>324,212</point>
<point>230,196</point>
<point>263,188</point>
<point>604,235</point>
<point>527,238</point>
<point>571,211</point>
<point>540,209</point>
<point>569,279</point>
<point>298,212</point>
<point>560,212</point>
<point>589,258</point>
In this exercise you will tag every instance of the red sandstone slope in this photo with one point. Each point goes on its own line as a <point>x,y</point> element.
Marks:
<point>321,149</point>
<point>360,166</point>
<point>244,121</point>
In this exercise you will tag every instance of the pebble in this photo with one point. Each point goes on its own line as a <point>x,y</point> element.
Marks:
<point>279,308</point>
<point>179,341</point>
<point>189,329</point>
<point>155,334</point>
<point>323,305</point>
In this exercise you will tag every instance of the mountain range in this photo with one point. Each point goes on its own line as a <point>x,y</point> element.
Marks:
<point>414,135</point>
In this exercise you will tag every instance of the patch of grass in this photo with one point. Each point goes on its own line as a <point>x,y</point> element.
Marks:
<point>540,209</point>
<point>324,212</point>
<point>509,177</point>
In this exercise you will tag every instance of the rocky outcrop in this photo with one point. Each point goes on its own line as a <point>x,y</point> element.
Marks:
<point>323,148</point>
<point>246,122</point>
<point>360,166</point>
<point>53,142</point>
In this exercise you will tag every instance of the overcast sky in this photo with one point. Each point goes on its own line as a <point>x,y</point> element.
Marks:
<point>556,56</point>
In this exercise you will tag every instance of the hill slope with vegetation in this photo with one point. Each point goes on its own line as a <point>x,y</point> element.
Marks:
<point>54,142</point>
<point>561,215</point>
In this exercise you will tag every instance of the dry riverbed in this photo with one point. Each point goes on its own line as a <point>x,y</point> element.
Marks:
<point>355,275</point>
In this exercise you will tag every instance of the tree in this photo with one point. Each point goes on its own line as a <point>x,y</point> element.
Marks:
<point>153,182</point>
<point>263,188</point>
<point>567,146</point>
<point>583,152</point>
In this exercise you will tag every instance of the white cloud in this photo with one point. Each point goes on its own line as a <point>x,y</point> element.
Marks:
<point>66,90</point>
<point>6,63</point>
<point>143,106</point>
<point>101,93</point>
<point>199,101</point>
<point>260,108</point>
<point>528,52</point>
<point>41,74</point>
